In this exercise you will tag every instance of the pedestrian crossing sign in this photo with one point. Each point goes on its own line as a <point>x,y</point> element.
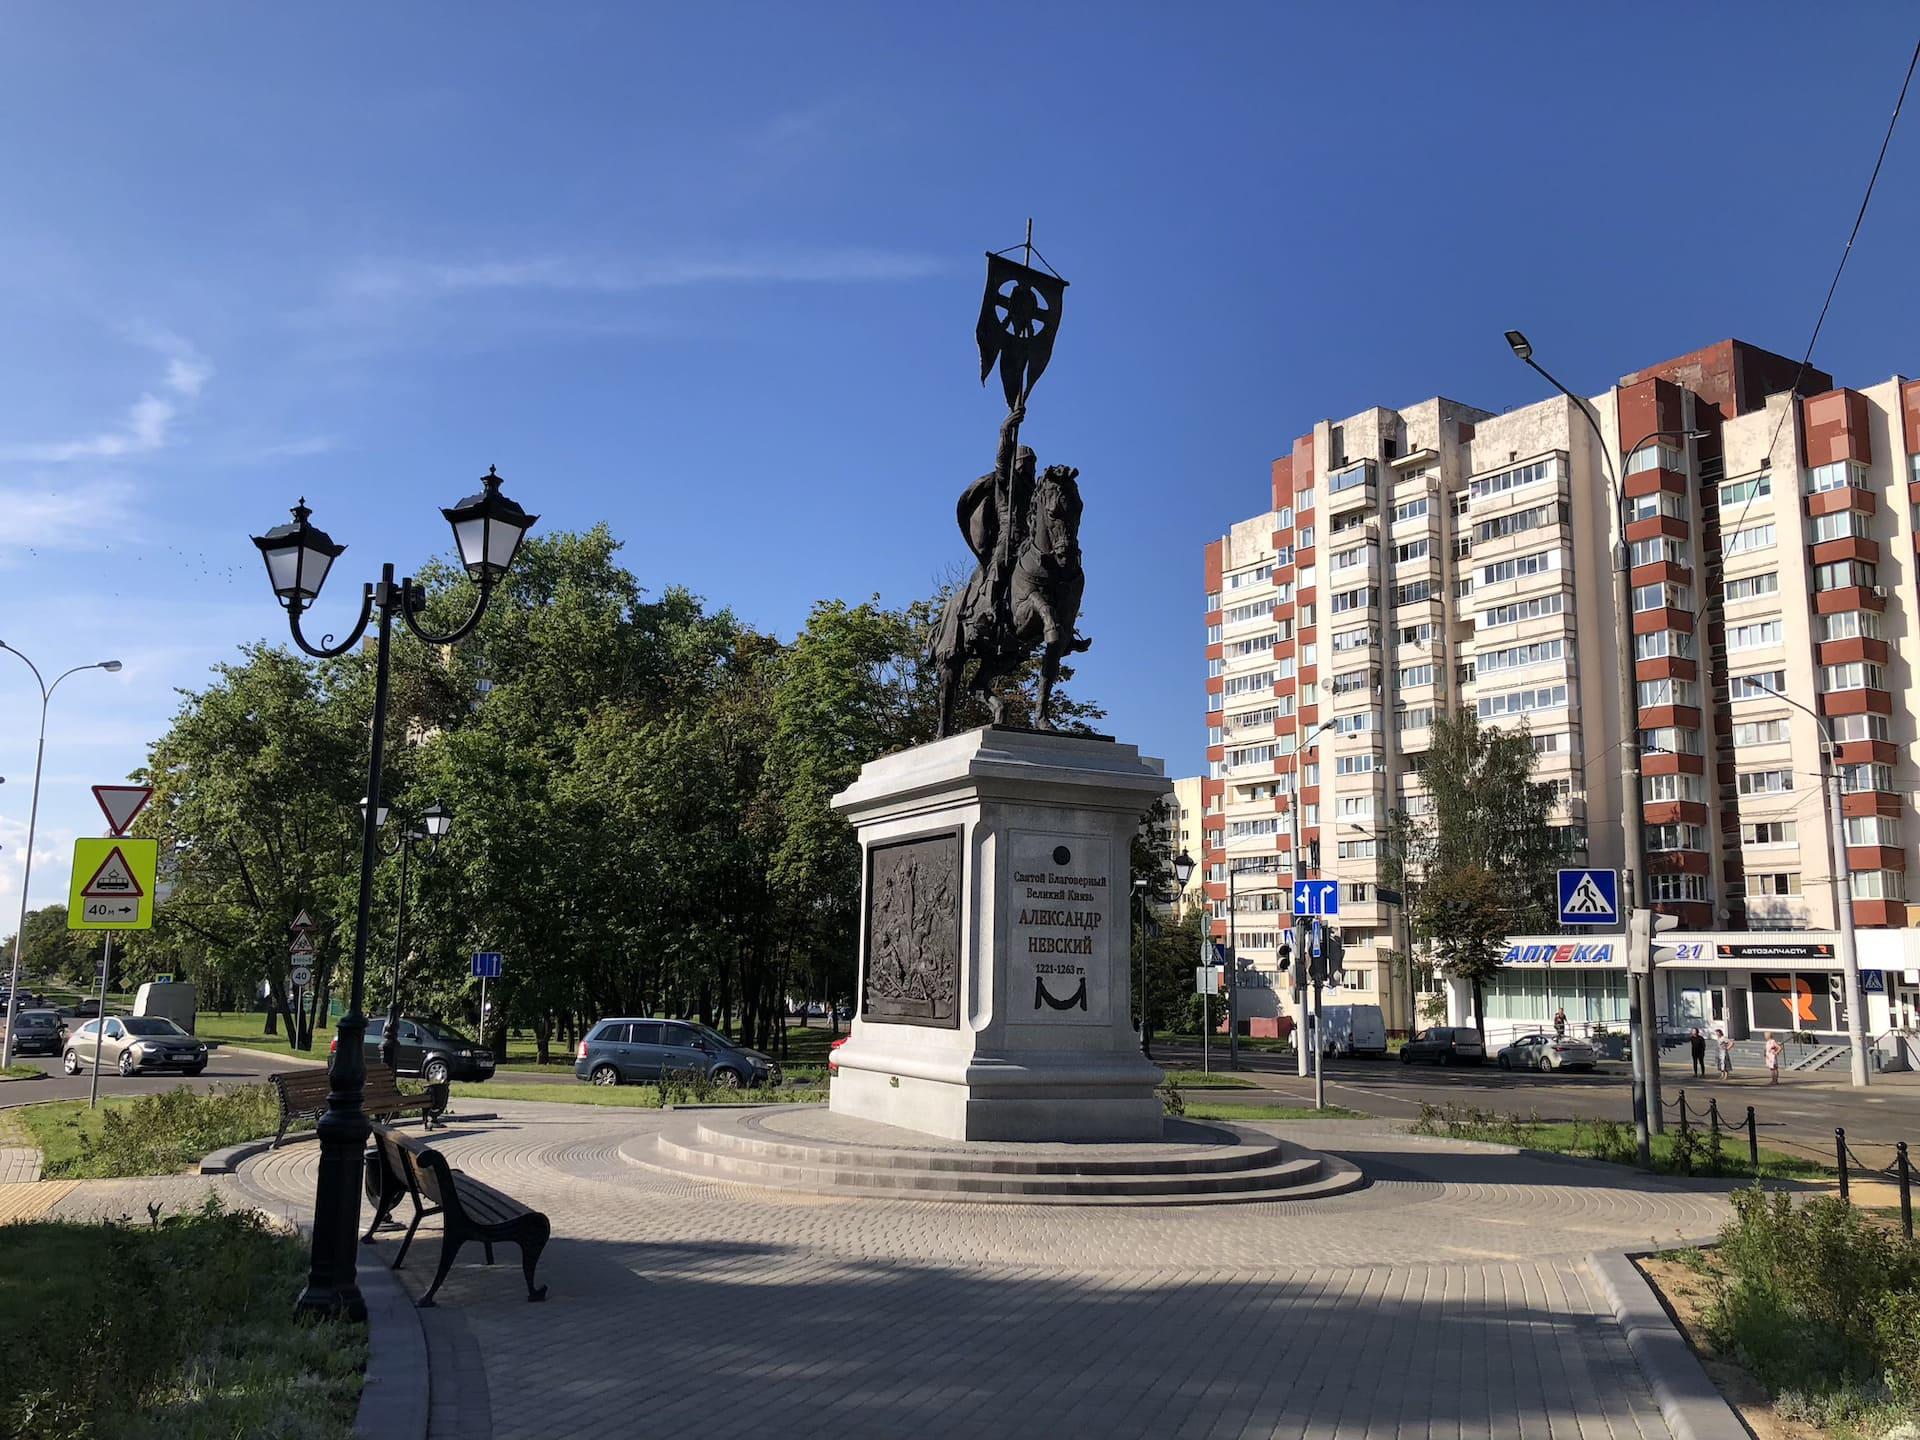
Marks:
<point>1589,897</point>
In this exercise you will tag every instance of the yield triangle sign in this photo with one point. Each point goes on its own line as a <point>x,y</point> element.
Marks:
<point>113,880</point>
<point>120,803</point>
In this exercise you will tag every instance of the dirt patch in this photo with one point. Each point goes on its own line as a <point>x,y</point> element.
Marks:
<point>1687,1291</point>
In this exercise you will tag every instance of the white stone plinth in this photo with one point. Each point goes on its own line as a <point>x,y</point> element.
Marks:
<point>997,926</point>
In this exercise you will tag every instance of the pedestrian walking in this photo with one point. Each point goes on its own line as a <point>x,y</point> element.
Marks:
<point>1560,1023</point>
<point>1773,1058</point>
<point>1697,1046</point>
<point>1726,1054</point>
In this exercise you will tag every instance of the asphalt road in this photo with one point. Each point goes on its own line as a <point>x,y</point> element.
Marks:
<point>1799,1114</point>
<point>224,1067</point>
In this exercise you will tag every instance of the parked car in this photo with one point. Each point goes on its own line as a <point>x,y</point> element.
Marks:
<point>36,1032</point>
<point>134,1043</point>
<point>624,1051</point>
<point>1446,1045</point>
<point>1541,1051</point>
<point>434,1052</point>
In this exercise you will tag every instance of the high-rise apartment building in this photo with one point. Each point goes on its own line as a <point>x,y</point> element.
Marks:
<point>1415,561</point>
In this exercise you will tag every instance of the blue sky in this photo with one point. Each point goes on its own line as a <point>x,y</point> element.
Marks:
<point>709,273</point>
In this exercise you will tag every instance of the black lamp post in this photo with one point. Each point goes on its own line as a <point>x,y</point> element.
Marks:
<point>488,529</point>
<point>1182,873</point>
<point>435,821</point>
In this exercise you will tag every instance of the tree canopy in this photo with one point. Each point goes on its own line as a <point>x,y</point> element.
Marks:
<point>639,785</point>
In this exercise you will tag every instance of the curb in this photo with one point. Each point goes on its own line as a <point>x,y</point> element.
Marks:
<point>1690,1403</point>
<point>396,1392</point>
<point>278,1057</point>
<point>225,1162</point>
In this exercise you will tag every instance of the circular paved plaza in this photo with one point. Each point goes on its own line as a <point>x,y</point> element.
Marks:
<point>1448,1298</point>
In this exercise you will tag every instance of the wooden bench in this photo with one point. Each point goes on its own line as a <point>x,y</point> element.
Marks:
<point>303,1096</point>
<point>468,1208</point>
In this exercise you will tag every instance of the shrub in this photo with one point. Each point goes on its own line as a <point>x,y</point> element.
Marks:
<point>1171,1098</point>
<point>165,1133</point>
<point>687,1087</point>
<point>1821,1303</point>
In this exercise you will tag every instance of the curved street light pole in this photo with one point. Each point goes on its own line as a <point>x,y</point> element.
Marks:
<point>33,821</point>
<point>1842,882</point>
<point>488,529</point>
<point>1642,1015</point>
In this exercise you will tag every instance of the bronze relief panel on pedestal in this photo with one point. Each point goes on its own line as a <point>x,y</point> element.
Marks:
<point>912,932</point>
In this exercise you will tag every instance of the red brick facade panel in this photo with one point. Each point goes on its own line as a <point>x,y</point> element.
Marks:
<point>1839,652</point>
<point>1646,482</point>
<point>1854,597</point>
<point>1283,482</point>
<point>1910,415</point>
<point>1666,667</point>
<point>1871,802</point>
<point>1215,552</point>
<point>1837,428</point>
<point>1832,502</point>
<point>1851,548</point>
<point>1647,406</point>
<point>1654,526</point>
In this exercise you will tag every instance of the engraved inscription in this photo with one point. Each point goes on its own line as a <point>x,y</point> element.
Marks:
<point>913,933</point>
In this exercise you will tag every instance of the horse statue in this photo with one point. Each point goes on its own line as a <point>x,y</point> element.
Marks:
<point>1024,593</point>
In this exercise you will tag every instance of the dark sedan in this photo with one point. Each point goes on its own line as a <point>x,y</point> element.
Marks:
<point>37,1032</point>
<point>1446,1045</point>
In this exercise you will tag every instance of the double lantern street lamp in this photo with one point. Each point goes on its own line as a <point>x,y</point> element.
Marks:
<point>435,821</point>
<point>487,529</point>
<point>1182,873</point>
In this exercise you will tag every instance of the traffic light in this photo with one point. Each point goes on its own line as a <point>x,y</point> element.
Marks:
<point>1642,928</point>
<point>1286,955</point>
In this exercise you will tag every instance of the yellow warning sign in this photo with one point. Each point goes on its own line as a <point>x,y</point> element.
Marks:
<point>112,886</point>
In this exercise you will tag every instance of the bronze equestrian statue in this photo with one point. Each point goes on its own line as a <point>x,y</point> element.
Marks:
<point>1024,593</point>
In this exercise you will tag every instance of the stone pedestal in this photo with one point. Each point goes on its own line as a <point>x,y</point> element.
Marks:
<point>995,954</point>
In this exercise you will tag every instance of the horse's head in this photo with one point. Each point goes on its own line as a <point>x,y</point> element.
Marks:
<point>1054,519</point>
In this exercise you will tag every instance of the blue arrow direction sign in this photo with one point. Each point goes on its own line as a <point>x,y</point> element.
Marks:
<point>1589,897</point>
<point>1316,897</point>
<point>486,964</point>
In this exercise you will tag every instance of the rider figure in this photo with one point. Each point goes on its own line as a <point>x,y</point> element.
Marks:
<point>993,518</point>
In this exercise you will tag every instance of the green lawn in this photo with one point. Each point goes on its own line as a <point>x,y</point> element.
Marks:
<point>191,1336</point>
<point>1205,1110</point>
<point>240,1027</point>
<point>1209,1080</point>
<point>1611,1141</point>
<point>159,1134</point>
<point>21,1072</point>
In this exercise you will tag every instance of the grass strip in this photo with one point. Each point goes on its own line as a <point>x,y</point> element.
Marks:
<point>192,1335</point>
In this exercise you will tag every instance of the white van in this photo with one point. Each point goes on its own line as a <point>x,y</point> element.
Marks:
<point>1353,1030</point>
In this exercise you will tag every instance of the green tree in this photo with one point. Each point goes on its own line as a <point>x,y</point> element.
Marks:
<point>53,950</point>
<point>1479,863</point>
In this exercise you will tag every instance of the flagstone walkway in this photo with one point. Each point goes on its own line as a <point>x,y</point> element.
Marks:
<point>1450,1298</point>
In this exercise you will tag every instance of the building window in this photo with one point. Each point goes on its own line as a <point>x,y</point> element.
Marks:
<point>1410,509</point>
<point>1539,562</point>
<point>1873,830</point>
<point>1857,779</point>
<point>1360,764</point>
<point>1855,675</point>
<point>1675,837</point>
<point>1850,625</point>
<point>1412,550</point>
<point>1760,732</point>
<point>1846,574</point>
<point>1345,600</point>
<point>1213,634</point>
<point>1754,635</point>
<point>1520,476</point>
<point>1668,692</point>
<point>1413,592</point>
<point>1522,702</point>
<point>1670,740</point>
<point>1657,457</point>
<point>1879,884</point>
<point>1770,832</point>
<point>1515,657</point>
<point>1662,789</point>
<point>1765,782</point>
<point>1749,587</point>
<point>1678,887</point>
<point>1661,502</point>
<point>1761,685</point>
<point>1745,492</point>
<point>1513,614</point>
<point>1412,675</point>
<point>1662,597</point>
<point>1840,525</point>
<point>1361,474</point>
<point>1859,727</point>
<point>1419,717</point>
<point>1660,550</point>
<point>1833,477</point>
<point>1773,882</point>
<point>1754,537</point>
<point>1355,849</point>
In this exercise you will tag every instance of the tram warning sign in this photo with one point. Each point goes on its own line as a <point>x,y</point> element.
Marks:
<point>113,881</point>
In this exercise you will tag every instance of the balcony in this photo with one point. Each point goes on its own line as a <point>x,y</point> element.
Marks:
<point>1356,487</point>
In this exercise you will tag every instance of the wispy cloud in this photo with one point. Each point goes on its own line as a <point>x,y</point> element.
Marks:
<point>415,279</point>
<point>147,424</point>
<point>82,517</point>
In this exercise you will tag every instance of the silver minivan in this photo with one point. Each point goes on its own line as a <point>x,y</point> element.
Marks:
<point>635,1050</point>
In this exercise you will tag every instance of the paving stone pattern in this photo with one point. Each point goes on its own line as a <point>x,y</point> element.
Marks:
<point>1449,1299</point>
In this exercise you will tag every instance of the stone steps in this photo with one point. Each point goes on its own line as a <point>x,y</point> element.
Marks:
<point>1199,1164</point>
